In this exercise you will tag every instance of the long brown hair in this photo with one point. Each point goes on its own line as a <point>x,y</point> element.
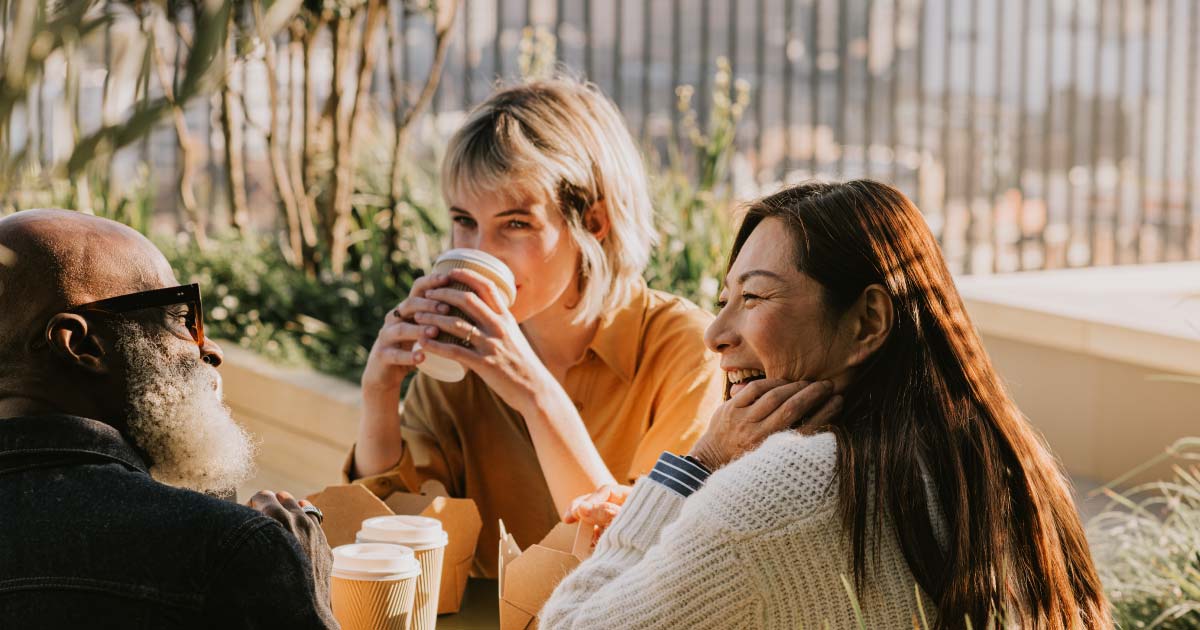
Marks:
<point>929,406</point>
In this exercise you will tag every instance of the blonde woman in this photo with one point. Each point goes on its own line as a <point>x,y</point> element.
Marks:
<point>588,376</point>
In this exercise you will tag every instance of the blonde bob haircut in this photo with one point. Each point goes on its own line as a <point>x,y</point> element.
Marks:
<point>560,141</point>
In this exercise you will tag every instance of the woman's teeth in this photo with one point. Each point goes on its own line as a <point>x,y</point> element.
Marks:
<point>742,376</point>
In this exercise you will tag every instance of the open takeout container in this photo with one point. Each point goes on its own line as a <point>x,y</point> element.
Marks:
<point>346,506</point>
<point>527,578</point>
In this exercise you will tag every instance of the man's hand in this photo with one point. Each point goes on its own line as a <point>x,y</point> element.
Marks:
<point>283,507</point>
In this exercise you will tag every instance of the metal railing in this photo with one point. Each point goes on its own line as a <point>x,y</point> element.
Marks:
<point>1033,135</point>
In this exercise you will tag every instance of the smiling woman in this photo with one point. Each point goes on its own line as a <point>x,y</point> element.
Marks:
<point>588,375</point>
<point>866,445</point>
<point>781,316</point>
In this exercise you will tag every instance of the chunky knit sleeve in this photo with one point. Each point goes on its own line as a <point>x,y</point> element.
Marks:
<point>761,545</point>
<point>652,570</point>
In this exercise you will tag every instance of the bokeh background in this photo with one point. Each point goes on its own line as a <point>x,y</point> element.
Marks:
<point>284,154</point>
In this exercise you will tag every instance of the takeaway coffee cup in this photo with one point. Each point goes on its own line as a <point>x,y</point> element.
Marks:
<point>488,266</point>
<point>374,586</point>
<point>427,540</point>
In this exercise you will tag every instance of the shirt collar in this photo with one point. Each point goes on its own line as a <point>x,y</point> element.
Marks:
<point>58,435</point>
<point>618,337</point>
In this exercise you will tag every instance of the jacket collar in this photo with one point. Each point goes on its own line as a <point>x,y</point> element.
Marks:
<point>59,435</point>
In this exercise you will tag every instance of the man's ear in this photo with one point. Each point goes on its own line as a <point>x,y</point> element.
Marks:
<point>596,220</point>
<point>75,341</point>
<point>870,321</point>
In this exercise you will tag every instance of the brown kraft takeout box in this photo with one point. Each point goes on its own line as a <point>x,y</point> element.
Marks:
<point>527,578</point>
<point>346,506</point>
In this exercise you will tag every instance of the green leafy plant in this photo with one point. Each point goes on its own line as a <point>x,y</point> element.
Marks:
<point>260,301</point>
<point>328,321</point>
<point>42,29</point>
<point>1147,544</point>
<point>695,208</point>
<point>282,294</point>
<point>255,299</point>
<point>37,188</point>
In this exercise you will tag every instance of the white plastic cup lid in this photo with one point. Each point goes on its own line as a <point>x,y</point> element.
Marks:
<point>375,561</point>
<point>508,280</point>
<point>418,532</point>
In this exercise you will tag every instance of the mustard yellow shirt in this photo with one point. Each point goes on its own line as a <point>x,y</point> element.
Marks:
<point>646,384</point>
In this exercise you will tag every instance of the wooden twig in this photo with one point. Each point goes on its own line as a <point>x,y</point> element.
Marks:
<point>297,140</point>
<point>187,150</point>
<point>405,119</point>
<point>346,127</point>
<point>235,167</point>
<point>283,184</point>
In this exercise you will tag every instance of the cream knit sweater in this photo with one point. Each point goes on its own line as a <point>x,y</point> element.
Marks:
<point>759,546</point>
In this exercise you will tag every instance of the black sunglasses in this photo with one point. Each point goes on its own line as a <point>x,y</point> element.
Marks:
<point>186,295</point>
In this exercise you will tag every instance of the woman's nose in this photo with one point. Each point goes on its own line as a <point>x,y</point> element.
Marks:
<point>720,335</point>
<point>467,242</point>
<point>489,245</point>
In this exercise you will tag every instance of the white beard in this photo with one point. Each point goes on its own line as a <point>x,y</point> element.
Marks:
<point>176,415</point>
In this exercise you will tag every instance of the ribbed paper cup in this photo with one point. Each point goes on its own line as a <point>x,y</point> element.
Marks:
<point>374,586</point>
<point>368,605</point>
<point>484,264</point>
<point>427,540</point>
<point>429,587</point>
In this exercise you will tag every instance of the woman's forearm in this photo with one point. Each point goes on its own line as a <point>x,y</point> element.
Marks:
<point>380,444</point>
<point>570,462</point>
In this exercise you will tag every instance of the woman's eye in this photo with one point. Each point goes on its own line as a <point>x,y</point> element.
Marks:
<point>747,297</point>
<point>517,225</point>
<point>722,303</point>
<point>466,222</point>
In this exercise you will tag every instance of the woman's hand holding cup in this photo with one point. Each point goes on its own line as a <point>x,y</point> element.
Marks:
<point>760,409</point>
<point>392,356</point>
<point>498,351</point>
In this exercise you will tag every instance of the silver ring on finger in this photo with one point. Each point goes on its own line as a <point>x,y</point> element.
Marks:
<point>314,512</point>
<point>470,335</point>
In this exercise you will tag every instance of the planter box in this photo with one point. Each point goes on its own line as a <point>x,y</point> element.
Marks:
<point>305,421</point>
<point>1083,352</point>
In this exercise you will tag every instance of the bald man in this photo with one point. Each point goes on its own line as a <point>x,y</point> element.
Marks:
<point>112,431</point>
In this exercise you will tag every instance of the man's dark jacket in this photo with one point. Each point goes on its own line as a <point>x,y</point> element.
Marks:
<point>89,540</point>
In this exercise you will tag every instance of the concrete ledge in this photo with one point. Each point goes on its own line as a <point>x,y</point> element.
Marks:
<point>1146,315</point>
<point>1084,353</point>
